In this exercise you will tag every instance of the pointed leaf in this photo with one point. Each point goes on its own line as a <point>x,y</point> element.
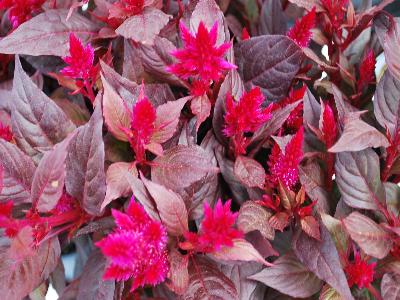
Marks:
<point>37,122</point>
<point>17,173</point>
<point>253,216</point>
<point>48,181</point>
<point>371,238</point>
<point>115,113</point>
<point>86,179</point>
<point>289,276</point>
<point>310,226</point>
<point>181,166</point>
<point>144,27</point>
<point>201,108</point>
<point>178,274</point>
<point>250,172</point>
<point>358,178</point>
<point>170,206</point>
<point>390,286</point>
<point>270,62</point>
<point>48,34</point>
<point>272,18</point>
<point>322,258</point>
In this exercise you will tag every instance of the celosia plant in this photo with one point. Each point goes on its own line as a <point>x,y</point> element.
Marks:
<point>199,150</point>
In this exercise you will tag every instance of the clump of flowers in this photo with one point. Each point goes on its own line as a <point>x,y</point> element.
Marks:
<point>244,116</point>
<point>201,60</point>
<point>216,229</point>
<point>136,249</point>
<point>359,272</point>
<point>19,11</point>
<point>80,67</point>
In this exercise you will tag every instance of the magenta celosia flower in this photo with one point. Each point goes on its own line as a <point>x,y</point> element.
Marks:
<point>80,61</point>
<point>5,132</point>
<point>201,58</point>
<point>367,70</point>
<point>301,33</point>
<point>136,249</point>
<point>359,271</point>
<point>19,11</point>
<point>283,165</point>
<point>143,118</point>
<point>245,116</point>
<point>216,230</point>
<point>126,8</point>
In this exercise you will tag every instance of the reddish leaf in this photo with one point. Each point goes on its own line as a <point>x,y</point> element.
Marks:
<point>91,284</point>
<point>391,49</point>
<point>201,108</point>
<point>301,33</point>
<point>263,58</point>
<point>371,238</point>
<point>289,276</point>
<point>17,173</point>
<point>310,226</point>
<point>386,104</point>
<point>86,179</point>
<point>170,206</point>
<point>143,28</point>
<point>19,278</point>
<point>337,231</point>
<point>321,258</point>
<point>390,286</point>
<point>37,122</point>
<point>48,34</point>
<point>181,166</point>
<point>115,112</point>
<point>48,181</point>
<point>207,282</point>
<point>249,172</point>
<point>279,221</point>
<point>178,273</point>
<point>307,4</point>
<point>253,216</point>
<point>358,178</point>
<point>167,119</point>
<point>117,183</point>
<point>358,135</point>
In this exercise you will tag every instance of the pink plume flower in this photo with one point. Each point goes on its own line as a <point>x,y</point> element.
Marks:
<point>80,61</point>
<point>216,229</point>
<point>136,249</point>
<point>367,70</point>
<point>336,11</point>
<point>5,132</point>
<point>142,127</point>
<point>20,11</point>
<point>201,58</point>
<point>283,165</point>
<point>301,31</point>
<point>359,271</point>
<point>245,116</point>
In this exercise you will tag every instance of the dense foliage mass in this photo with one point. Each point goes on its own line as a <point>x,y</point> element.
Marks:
<point>238,149</point>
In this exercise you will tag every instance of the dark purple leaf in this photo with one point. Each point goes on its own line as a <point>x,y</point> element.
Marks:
<point>48,181</point>
<point>144,27</point>
<point>369,236</point>
<point>86,179</point>
<point>48,34</point>
<point>18,170</point>
<point>386,104</point>
<point>181,166</point>
<point>250,172</point>
<point>207,282</point>
<point>289,276</point>
<point>270,62</point>
<point>37,122</point>
<point>322,258</point>
<point>312,109</point>
<point>91,283</point>
<point>272,19</point>
<point>358,178</point>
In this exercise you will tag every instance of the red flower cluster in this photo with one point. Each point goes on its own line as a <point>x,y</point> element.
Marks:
<point>301,31</point>
<point>201,59</point>
<point>126,8</point>
<point>136,248</point>
<point>359,271</point>
<point>367,70</point>
<point>80,66</point>
<point>245,116</point>
<point>143,118</point>
<point>336,11</point>
<point>5,132</point>
<point>283,165</point>
<point>215,230</point>
<point>19,11</point>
